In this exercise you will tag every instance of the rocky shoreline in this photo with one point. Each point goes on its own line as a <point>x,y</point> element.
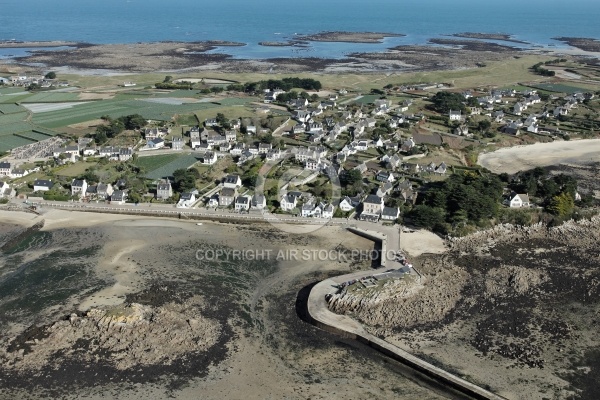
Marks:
<point>473,45</point>
<point>167,334</point>
<point>22,44</point>
<point>512,307</point>
<point>349,37</point>
<point>439,54</point>
<point>489,36</point>
<point>586,44</point>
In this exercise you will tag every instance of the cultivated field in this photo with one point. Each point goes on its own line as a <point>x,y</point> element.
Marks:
<point>559,88</point>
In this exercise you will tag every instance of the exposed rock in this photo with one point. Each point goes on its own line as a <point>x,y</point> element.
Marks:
<point>404,303</point>
<point>125,336</point>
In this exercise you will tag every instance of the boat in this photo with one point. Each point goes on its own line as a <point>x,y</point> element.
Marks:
<point>199,223</point>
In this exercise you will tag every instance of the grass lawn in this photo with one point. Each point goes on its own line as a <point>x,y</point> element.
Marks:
<point>230,112</point>
<point>151,162</point>
<point>559,88</point>
<point>75,170</point>
<point>165,165</point>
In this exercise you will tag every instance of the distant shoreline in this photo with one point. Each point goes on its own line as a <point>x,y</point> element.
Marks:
<point>466,50</point>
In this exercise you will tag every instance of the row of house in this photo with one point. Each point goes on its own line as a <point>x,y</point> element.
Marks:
<point>12,171</point>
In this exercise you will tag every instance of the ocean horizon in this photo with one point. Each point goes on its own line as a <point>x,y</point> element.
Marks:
<point>130,21</point>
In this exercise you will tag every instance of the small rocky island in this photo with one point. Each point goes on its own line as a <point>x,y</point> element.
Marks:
<point>351,37</point>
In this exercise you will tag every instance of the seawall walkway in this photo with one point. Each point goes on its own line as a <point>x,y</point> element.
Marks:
<point>320,316</point>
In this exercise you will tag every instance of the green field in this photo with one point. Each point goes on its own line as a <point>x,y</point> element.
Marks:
<point>10,90</point>
<point>367,99</point>
<point>16,131</point>
<point>75,170</point>
<point>115,109</point>
<point>51,97</point>
<point>158,167</point>
<point>10,108</point>
<point>559,88</point>
<point>14,98</point>
<point>37,136</point>
<point>9,142</point>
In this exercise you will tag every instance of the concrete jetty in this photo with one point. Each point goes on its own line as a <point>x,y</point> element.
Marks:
<point>320,316</point>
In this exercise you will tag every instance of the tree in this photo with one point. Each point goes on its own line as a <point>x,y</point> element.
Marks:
<point>351,177</point>
<point>184,180</point>
<point>168,79</point>
<point>134,121</point>
<point>484,125</point>
<point>561,205</point>
<point>50,75</point>
<point>426,217</point>
<point>221,119</point>
<point>100,137</point>
<point>443,102</point>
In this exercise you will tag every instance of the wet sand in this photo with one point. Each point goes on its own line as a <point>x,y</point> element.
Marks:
<point>265,350</point>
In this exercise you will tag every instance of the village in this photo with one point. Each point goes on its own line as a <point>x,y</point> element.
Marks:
<point>314,153</point>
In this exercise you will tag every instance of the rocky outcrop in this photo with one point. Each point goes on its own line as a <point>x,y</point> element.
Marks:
<point>403,303</point>
<point>501,281</point>
<point>125,336</point>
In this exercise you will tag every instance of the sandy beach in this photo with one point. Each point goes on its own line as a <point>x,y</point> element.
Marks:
<point>520,158</point>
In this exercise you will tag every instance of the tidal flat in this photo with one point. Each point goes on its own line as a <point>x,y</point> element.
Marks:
<point>114,306</point>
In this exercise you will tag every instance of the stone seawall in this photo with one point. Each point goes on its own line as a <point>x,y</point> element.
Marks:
<point>320,316</point>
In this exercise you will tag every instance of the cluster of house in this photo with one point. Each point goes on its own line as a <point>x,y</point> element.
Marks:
<point>358,122</point>
<point>24,80</point>
<point>212,145</point>
<point>6,190</point>
<point>228,196</point>
<point>156,139</point>
<point>525,99</point>
<point>290,201</point>
<point>82,190</point>
<point>84,147</point>
<point>13,171</point>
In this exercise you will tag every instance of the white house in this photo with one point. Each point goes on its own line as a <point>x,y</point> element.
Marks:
<point>348,204</point>
<point>157,143</point>
<point>78,187</point>
<point>118,197</point>
<point>307,209</point>
<point>242,203</point>
<point>42,185</point>
<point>288,202</point>
<point>5,168</point>
<point>209,158</point>
<point>326,210</point>
<point>455,115</point>
<point>259,201</point>
<point>6,190</point>
<point>186,200</point>
<point>232,181</point>
<point>518,200</point>
<point>390,213</point>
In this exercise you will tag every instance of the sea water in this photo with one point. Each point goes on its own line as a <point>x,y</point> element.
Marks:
<point>250,22</point>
